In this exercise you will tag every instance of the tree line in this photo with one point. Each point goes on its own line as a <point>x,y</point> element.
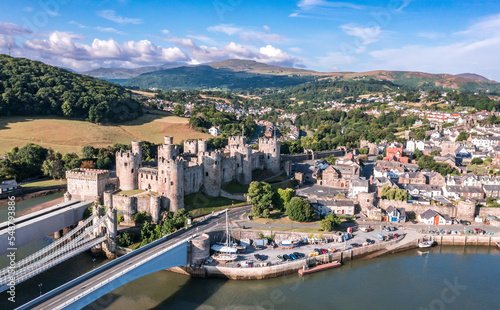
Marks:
<point>34,88</point>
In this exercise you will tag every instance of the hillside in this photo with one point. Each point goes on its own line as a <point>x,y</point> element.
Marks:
<point>250,66</point>
<point>207,77</point>
<point>124,73</point>
<point>33,88</point>
<point>235,74</point>
<point>46,131</point>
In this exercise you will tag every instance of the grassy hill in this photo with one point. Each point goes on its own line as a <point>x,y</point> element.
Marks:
<point>46,131</point>
<point>247,74</point>
<point>207,77</point>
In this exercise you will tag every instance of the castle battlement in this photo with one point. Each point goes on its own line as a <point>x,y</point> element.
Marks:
<point>124,154</point>
<point>87,174</point>
<point>268,141</point>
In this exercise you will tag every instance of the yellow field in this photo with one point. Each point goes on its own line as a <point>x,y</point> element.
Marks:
<point>66,135</point>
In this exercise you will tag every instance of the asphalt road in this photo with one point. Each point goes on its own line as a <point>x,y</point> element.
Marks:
<point>52,301</point>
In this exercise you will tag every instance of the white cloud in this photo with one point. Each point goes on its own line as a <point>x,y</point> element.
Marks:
<point>333,61</point>
<point>474,50</point>
<point>224,28</point>
<point>64,48</point>
<point>110,29</point>
<point>111,15</point>
<point>246,34</point>
<point>13,29</point>
<point>309,4</point>
<point>165,31</point>
<point>431,35</point>
<point>266,54</point>
<point>366,35</point>
<point>266,27</point>
<point>297,50</point>
<point>202,38</point>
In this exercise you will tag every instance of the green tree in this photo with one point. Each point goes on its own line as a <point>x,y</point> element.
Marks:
<point>261,196</point>
<point>462,136</point>
<point>179,110</point>
<point>300,210</point>
<point>326,225</point>
<point>476,161</point>
<point>89,152</point>
<point>125,240</point>
<point>435,153</point>
<point>283,198</point>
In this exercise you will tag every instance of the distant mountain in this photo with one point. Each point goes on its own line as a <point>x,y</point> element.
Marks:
<point>206,77</point>
<point>240,65</point>
<point>125,73</point>
<point>472,76</point>
<point>465,82</point>
<point>241,74</point>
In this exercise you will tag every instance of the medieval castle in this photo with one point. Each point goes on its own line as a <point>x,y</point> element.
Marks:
<point>176,175</point>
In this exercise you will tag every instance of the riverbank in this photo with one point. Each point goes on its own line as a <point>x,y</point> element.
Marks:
<point>267,270</point>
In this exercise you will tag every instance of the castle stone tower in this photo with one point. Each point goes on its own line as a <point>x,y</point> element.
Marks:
<point>168,150</point>
<point>171,181</point>
<point>247,164</point>
<point>127,166</point>
<point>237,140</point>
<point>466,210</point>
<point>212,173</point>
<point>202,145</point>
<point>191,147</point>
<point>271,149</point>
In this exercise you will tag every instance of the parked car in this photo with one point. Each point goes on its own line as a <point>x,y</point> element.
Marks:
<point>317,251</point>
<point>293,257</point>
<point>323,251</point>
<point>392,228</point>
<point>286,257</point>
<point>370,241</point>
<point>355,245</point>
<point>257,257</point>
<point>280,258</point>
<point>298,255</point>
<point>465,223</point>
<point>386,228</point>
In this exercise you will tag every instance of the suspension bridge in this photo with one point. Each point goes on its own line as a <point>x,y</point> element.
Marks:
<point>93,231</point>
<point>166,252</point>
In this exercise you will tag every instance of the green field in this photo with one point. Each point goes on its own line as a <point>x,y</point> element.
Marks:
<point>65,135</point>
<point>199,203</point>
<point>44,183</point>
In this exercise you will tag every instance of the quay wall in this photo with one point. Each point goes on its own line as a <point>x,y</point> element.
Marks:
<point>473,240</point>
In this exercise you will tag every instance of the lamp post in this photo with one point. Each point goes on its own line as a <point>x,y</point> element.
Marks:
<point>40,287</point>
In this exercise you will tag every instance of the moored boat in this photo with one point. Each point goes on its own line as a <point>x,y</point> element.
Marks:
<point>426,244</point>
<point>319,268</point>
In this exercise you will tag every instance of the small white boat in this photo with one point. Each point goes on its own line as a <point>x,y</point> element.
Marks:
<point>498,244</point>
<point>426,244</point>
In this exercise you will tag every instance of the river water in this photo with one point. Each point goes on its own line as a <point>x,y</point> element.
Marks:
<point>443,278</point>
<point>23,205</point>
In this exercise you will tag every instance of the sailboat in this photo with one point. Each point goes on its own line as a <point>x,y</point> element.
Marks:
<point>226,252</point>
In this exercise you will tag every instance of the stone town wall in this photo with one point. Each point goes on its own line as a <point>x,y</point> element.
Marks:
<point>484,212</point>
<point>417,208</point>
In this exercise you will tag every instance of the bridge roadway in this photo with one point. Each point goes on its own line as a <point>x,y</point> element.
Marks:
<point>61,298</point>
<point>39,224</point>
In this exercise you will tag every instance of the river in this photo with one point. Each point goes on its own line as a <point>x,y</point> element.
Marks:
<point>23,205</point>
<point>449,277</point>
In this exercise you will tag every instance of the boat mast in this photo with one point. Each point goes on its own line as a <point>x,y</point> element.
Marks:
<point>227,231</point>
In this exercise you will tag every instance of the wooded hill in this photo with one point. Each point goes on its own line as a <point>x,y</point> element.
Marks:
<point>33,88</point>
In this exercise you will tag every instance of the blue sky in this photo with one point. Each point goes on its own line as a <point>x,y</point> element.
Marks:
<point>431,36</point>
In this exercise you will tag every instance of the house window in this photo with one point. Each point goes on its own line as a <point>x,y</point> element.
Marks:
<point>132,170</point>
<point>171,183</point>
<point>237,165</point>
<point>206,174</point>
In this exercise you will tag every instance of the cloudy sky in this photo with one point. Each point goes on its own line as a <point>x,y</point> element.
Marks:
<point>419,35</point>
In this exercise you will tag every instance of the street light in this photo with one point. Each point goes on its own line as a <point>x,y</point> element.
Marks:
<point>40,287</point>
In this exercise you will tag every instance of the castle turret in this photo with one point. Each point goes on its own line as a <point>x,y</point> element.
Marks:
<point>127,166</point>
<point>271,149</point>
<point>171,181</point>
<point>212,175</point>
<point>237,140</point>
<point>168,150</point>
<point>247,165</point>
<point>202,145</point>
<point>191,147</point>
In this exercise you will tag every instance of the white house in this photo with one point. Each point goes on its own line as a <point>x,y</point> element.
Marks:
<point>431,217</point>
<point>214,131</point>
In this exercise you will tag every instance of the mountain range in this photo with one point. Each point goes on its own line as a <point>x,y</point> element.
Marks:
<point>239,74</point>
